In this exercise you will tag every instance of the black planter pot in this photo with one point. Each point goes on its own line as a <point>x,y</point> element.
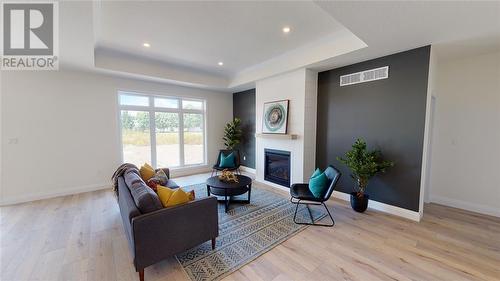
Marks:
<point>359,204</point>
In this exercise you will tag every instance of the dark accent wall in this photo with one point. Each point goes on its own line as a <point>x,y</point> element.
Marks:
<point>244,108</point>
<point>389,114</point>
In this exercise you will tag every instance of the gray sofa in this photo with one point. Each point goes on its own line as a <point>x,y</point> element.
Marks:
<point>155,233</point>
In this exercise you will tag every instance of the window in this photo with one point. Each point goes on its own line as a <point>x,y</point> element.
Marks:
<point>163,131</point>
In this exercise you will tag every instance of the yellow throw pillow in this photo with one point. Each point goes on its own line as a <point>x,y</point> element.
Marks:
<point>178,197</point>
<point>164,193</point>
<point>147,172</point>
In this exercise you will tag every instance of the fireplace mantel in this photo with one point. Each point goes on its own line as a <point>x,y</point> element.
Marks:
<point>278,136</point>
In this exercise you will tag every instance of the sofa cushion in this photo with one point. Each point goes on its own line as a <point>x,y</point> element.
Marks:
<point>131,177</point>
<point>171,184</point>
<point>144,197</point>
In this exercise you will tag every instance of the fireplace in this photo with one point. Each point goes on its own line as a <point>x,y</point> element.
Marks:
<point>277,166</point>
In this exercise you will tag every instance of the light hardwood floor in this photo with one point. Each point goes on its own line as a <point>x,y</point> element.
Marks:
<point>80,237</point>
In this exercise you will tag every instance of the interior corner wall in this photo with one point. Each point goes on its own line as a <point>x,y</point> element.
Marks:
<point>465,171</point>
<point>244,108</point>
<point>67,129</point>
<point>389,114</point>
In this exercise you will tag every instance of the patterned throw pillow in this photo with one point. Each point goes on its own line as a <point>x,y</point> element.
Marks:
<point>152,184</point>
<point>159,178</point>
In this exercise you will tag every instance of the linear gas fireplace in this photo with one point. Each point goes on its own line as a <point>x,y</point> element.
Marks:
<point>277,166</point>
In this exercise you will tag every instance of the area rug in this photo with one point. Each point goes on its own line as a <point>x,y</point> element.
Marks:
<point>245,232</point>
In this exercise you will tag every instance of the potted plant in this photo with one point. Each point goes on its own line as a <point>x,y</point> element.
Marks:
<point>232,134</point>
<point>364,165</point>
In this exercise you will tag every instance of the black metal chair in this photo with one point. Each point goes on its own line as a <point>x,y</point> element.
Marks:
<point>237,162</point>
<point>300,192</point>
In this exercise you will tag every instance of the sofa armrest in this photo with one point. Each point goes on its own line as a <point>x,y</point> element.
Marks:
<point>166,232</point>
<point>166,170</point>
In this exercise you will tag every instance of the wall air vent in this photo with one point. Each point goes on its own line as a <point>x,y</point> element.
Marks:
<point>365,76</point>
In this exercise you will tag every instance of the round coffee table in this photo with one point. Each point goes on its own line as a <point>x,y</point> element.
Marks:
<point>229,189</point>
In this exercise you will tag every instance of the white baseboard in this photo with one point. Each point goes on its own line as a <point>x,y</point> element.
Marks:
<point>272,185</point>
<point>375,205</point>
<point>247,169</point>
<point>51,194</point>
<point>473,207</point>
<point>386,208</point>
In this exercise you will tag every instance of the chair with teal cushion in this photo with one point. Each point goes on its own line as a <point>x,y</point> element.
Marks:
<point>227,160</point>
<point>301,193</point>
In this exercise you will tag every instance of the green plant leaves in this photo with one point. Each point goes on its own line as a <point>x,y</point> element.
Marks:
<point>232,134</point>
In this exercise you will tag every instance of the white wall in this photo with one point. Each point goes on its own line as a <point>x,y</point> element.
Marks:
<point>66,125</point>
<point>291,86</point>
<point>310,120</point>
<point>465,168</point>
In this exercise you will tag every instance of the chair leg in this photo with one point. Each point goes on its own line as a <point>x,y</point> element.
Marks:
<point>330,215</point>
<point>310,214</point>
<point>213,243</point>
<point>141,275</point>
<point>296,208</point>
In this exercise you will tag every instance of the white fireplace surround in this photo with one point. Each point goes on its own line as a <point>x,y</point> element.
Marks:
<point>300,88</point>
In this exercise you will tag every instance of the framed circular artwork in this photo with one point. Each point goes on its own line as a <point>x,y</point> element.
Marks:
<point>275,117</point>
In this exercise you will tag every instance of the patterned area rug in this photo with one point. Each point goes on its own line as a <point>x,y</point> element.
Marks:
<point>245,232</point>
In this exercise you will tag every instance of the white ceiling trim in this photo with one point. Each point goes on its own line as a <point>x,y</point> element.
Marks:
<point>339,43</point>
<point>126,63</point>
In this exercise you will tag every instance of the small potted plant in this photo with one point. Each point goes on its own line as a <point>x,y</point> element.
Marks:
<point>364,165</point>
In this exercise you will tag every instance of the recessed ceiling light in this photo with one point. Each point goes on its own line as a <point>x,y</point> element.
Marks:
<point>286,29</point>
<point>220,63</point>
<point>147,45</point>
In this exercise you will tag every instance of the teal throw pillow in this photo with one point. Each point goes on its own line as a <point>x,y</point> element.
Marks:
<point>318,185</point>
<point>226,161</point>
<point>316,173</point>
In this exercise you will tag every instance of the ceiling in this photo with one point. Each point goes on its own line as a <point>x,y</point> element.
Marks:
<point>188,39</point>
<point>201,34</point>
<point>389,27</point>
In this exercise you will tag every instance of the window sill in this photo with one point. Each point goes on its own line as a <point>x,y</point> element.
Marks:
<point>189,170</point>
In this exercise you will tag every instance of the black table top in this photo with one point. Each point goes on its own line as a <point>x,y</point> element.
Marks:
<point>215,182</point>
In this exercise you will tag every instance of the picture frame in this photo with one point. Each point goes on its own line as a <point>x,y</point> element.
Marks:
<point>275,117</point>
